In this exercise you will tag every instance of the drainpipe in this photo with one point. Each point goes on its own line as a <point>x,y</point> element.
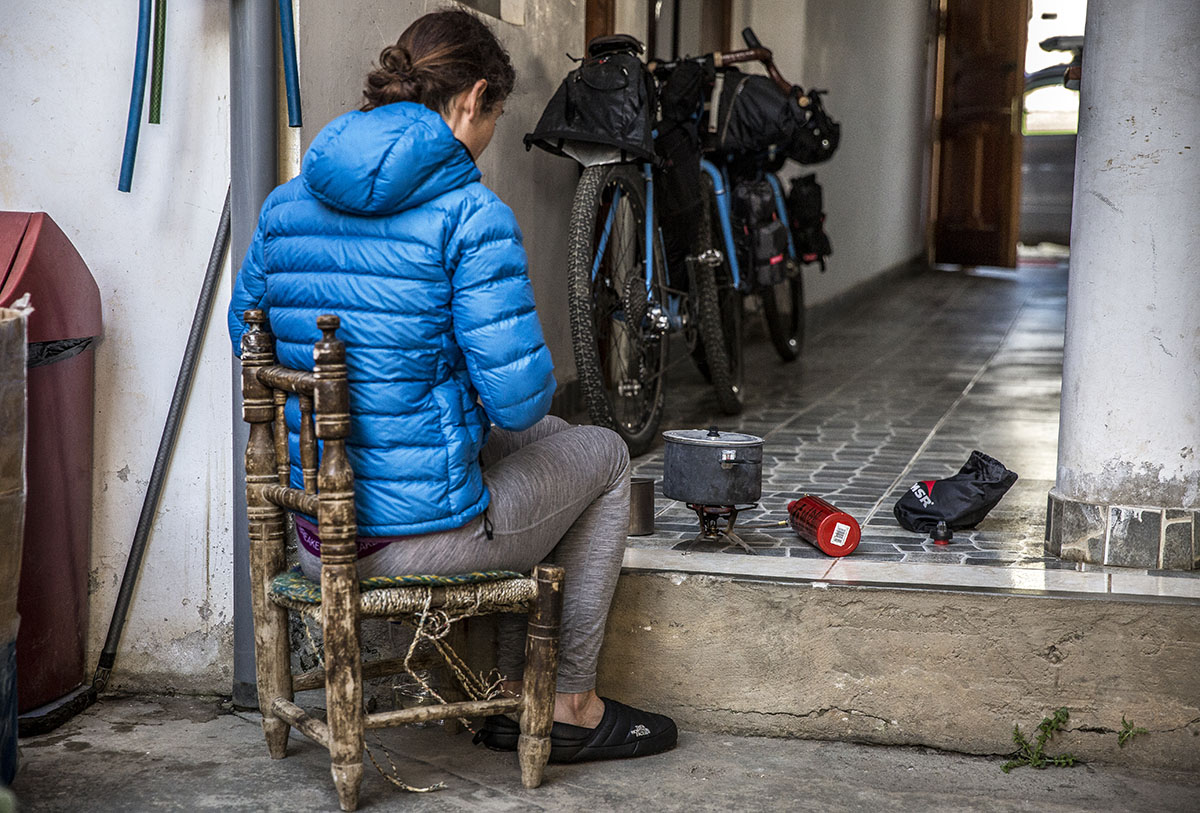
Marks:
<point>253,162</point>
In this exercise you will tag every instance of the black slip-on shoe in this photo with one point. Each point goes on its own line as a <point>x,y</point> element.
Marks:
<point>623,732</point>
<point>498,733</point>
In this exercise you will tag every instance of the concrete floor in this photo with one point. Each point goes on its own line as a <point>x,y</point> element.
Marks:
<point>173,753</point>
<point>898,384</point>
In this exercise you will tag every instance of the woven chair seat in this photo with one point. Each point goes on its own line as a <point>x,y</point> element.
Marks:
<point>492,591</point>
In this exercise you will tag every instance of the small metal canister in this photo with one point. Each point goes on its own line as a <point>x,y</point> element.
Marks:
<point>641,506</point>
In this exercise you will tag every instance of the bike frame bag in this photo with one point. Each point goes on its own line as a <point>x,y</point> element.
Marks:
<point>603,112</point>
<point>754,213</point>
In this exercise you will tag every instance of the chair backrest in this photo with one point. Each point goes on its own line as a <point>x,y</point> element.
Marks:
<point>328,480</point>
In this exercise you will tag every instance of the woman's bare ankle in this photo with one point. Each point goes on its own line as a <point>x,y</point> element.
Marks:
<point>583,709</point>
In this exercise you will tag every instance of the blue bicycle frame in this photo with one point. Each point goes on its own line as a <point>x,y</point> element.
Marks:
<point>720,179</point>
<point>651,234</point>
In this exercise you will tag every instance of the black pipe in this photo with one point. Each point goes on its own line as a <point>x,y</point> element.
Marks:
<point>29,726</point>
<point>253,150</point>
<point>675,29</point>
<point>166,445</point>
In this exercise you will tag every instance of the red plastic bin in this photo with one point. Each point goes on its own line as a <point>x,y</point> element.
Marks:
<point>38,259</point>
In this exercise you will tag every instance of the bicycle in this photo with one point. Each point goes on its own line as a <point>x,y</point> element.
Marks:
<point>624,303</point>
<point>781,292</point>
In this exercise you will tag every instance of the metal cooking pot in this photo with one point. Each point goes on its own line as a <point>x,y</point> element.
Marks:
<point>708,467</point>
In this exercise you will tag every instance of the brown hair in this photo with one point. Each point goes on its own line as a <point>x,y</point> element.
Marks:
<point>437,57</point>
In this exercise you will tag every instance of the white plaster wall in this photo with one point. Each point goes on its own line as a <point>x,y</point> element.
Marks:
<point>339,44</point>
<point>871,57</point>
<point>66,71</point>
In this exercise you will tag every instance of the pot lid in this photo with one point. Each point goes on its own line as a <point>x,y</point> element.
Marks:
<point>711,437</point>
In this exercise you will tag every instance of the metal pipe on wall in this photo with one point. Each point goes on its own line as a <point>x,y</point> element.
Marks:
<point>253,157</point>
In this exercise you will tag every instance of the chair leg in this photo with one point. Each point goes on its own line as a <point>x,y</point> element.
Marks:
<point>272,651</point>
<point>347,778</point>
<point>541,672</point>
<point>343,679</point>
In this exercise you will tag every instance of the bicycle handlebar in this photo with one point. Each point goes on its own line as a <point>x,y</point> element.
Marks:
<point>755,53</point>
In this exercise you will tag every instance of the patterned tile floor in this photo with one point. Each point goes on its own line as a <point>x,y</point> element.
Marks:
<point>899,388</point>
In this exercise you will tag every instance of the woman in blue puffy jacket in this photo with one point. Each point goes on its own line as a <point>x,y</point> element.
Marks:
<point>457,465</point>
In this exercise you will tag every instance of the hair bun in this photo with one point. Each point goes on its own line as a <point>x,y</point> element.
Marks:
<point>396,60</point>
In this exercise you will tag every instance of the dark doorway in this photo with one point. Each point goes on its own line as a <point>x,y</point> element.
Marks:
<point>977,131</point>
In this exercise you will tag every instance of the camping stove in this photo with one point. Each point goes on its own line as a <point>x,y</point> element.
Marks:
<point>716,524</point>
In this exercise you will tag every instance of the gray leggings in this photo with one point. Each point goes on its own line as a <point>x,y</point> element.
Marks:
<point>560,494</point>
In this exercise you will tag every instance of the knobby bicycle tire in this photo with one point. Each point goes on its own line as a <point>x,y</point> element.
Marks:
<point>783,311</point>
<point>719,310</point>
<point>600,312</point>
<point>785,325</point>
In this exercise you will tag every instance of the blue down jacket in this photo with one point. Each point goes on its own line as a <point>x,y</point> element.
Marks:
<point>388,227</point>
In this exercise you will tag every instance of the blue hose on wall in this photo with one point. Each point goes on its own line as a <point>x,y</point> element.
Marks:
<point>137,97</point>
<point>291,78</point>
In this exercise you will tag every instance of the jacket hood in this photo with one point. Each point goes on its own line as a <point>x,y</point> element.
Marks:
<point>386,160</point>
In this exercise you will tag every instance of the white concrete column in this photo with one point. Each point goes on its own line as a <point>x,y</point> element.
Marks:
<point>1128,482</point>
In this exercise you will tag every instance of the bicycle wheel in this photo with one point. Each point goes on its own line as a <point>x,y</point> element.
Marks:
<point>718,309</point>
<point>616,325</point>
<point>783,310</point>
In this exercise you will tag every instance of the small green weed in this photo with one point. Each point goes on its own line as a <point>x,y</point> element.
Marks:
<point>1033,753</point>
<point>1127,732</point>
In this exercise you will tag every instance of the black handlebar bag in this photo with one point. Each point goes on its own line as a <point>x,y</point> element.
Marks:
<point>603,112</point>
<point>749,113</point>
<point>961,501</point>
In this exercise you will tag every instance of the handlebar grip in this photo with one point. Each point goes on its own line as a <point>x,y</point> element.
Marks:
<point>751,40</point>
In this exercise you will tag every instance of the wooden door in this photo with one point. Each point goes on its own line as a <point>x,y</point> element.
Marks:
<point>599,19</point>
<point>977,128</point>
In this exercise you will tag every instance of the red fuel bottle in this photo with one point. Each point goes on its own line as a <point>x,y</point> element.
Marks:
<point>833,531</point>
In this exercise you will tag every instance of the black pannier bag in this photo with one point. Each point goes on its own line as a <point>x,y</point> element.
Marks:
<point>603,112</point>
<point>754,213</point>
<point>677,181</point>
<point>961,501</point>
<point>752,115</point>
<point>806,218</point>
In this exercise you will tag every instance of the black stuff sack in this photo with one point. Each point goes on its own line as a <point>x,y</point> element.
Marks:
<point>961,501</point>
<point>603,112</point>
<point>678,191</point>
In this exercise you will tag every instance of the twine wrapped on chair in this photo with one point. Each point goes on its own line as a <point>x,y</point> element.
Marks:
<point>492,591</point>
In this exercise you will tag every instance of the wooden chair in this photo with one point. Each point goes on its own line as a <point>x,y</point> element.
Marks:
<point>328,494</point>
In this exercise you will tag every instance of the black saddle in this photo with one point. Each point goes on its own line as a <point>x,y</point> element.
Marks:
<point>614,44</point>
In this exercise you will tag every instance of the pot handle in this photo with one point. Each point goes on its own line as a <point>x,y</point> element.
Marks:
<point>729,459</point>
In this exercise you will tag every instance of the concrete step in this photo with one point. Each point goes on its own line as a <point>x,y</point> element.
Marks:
<point>903,664</point>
